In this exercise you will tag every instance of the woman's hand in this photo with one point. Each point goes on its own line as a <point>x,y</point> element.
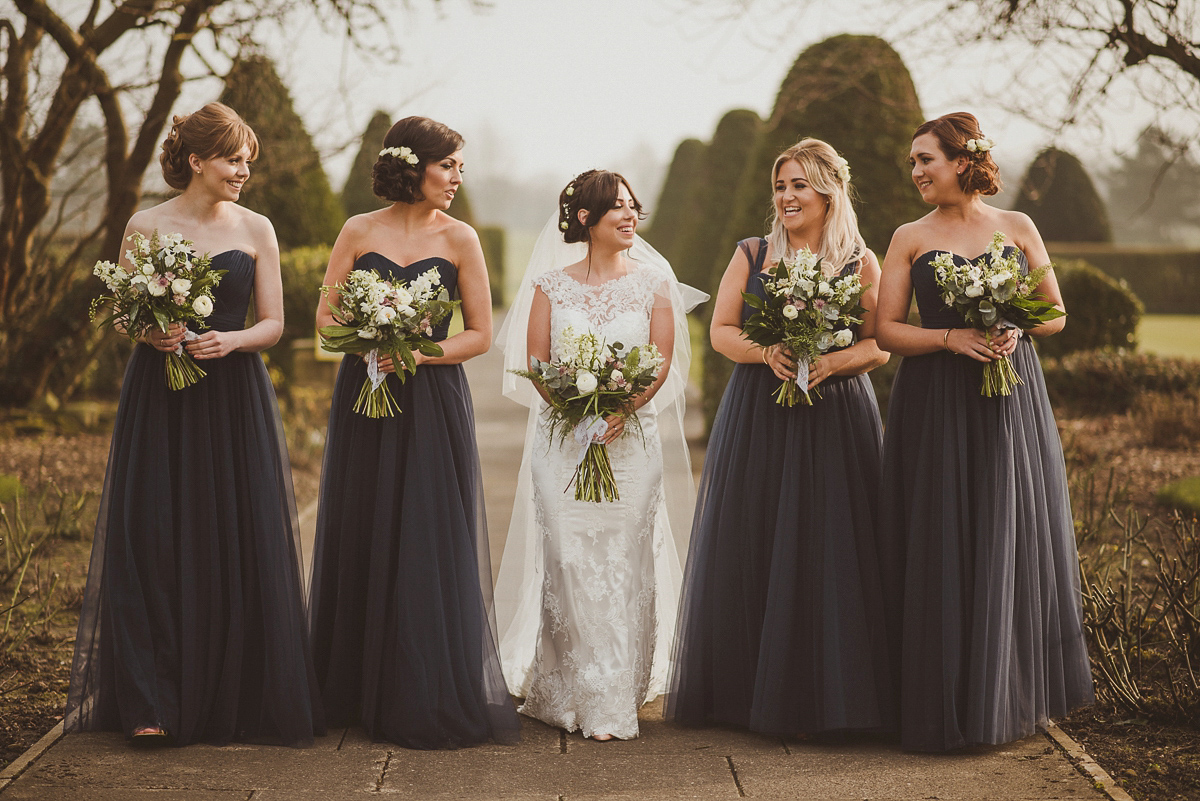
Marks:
<point>616,427</point>
<point>386,365</point>
<point>165,342</point>
<point>213,344</point>
<point>974,343</point>
<point>824,368</point>
<point>781,361</point>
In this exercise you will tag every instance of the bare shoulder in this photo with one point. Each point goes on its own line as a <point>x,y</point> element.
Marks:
<point>147,220</point>
<point>908,238</point>
<point>1016,222</point>
<point>456,231</point>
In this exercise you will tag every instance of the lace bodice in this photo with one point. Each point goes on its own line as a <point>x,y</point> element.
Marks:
<point>617,310</point>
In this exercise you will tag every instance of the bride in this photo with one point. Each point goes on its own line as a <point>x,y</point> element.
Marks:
<point>587,591</point>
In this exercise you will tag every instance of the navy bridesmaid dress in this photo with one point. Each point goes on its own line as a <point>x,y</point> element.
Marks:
<point>983,573</point>
<point>781,627</point>
<point>401,613</point>
<point>193,617</point>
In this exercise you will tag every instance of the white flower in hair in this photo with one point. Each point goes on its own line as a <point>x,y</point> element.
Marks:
<point>843,170</point>
<point>981,145</point>
<point>403,153</point>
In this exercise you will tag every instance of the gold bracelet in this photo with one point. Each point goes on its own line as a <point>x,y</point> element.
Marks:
<point>764,357</point>
<point>946,340</point>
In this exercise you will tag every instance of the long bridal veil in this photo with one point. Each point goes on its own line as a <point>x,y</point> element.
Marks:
<point>519,586</point>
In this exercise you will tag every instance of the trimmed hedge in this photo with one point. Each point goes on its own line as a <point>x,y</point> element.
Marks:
<point>1167,280</point>
<point>677,200</point>
<point>1059,196</point>
<point>357,194</point>
<point>492,239</point>
<point>1101,311</point>
<point>302,271</point>
<point>1110,382</point>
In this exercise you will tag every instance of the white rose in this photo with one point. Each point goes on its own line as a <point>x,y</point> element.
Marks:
<point>615,375</point>
<point>791,312</point>
<point>825,340</point>
<point>147,269</point>
<point>843,338</point>
<point>202,305</point>
<point>385,315</point>
<point>138,280</point>
<point>585,382</point>
<point>180,286</point>
<point>974,291</point>
<point>368,332</point>
<point>156,288</point>
<point>403,296</point>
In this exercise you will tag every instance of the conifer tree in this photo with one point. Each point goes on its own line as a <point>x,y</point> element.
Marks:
<point>1060,198</point>
<point>357,195</point>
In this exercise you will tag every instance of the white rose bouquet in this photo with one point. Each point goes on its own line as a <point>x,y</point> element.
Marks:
<point>589,380</point>
<point>168,283</point>
<point>994,291</point>
<point>376,316</point>
<point>808,313</point>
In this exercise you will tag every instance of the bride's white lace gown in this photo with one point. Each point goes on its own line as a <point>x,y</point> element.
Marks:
<point>599,611</point>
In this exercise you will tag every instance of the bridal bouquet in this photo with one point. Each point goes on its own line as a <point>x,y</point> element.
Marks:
<point>808,313</point>
<point>168,284</point>
<point>994,291</point>
<point>375,316</point>
<point>592,379</point>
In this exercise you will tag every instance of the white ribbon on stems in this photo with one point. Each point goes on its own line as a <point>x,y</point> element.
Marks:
<point>374,374</point>
<point>588,431</point>
<point>188,336</point>
<point>802,376</point>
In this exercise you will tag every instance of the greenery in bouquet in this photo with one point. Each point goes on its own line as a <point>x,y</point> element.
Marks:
<point>166,283</point>
<point>994,291</point>
<point>590,380</point>
<point>807,312</point>
<point>375,316</point>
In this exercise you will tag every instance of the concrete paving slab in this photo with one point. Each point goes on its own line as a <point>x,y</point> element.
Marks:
<point>105,760</point>
<point>34,792</point>
<point>1031,768</point>
<point>536,738</point>
<point>437,775</point>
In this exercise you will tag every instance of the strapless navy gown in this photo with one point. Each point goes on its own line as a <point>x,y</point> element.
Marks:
<point>193,614</point>
<point>781,622</point>
<point>401,595</point>
<point>983,574</point>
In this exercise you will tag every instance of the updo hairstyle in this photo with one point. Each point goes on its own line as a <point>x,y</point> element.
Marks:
<point>595,192</point>
<point>214,131</point>
<point>396,180</point>
<point>952,132</point>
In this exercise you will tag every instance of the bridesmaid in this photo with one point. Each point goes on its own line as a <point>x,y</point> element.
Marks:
<point>781,625</point>
<point>983,578</point>
<point>192,628</point>
<point>401,589</point>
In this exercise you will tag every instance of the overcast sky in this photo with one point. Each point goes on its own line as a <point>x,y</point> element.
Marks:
<point>552,87</point>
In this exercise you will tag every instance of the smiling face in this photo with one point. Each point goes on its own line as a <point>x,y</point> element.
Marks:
<point>800,208</point>
<point>616,228</point>
<point>222,176</point>
<point>935,175</point>
<point>442,180</point>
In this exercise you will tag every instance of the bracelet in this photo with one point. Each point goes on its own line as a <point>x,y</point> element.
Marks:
<point>764,357</point>
<point>946,340</point>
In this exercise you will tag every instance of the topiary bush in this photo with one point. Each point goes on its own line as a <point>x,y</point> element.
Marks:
<point>1167,280</point>
<point>677,200</point>
<point>287,183</point>
<point>1111,382</point>
<point>1101,311</point>
<point>302,271</point>
<point>1060,198</point>
<point>492,239</point>
<point>357,195</point>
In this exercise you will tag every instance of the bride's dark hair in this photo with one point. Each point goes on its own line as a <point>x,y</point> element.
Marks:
<point>396,180</point>
<point>595,192</point>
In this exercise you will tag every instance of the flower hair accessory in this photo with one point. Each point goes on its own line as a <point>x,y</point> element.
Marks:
<point>980,145</point>
<point>404,153</point>
<point>843,170</point>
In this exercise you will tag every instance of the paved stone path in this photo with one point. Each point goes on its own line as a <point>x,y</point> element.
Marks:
<point>666,762</point>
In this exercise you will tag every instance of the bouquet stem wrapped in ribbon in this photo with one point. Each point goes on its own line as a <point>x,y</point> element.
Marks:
<point>994,291</point>
<point>808,313</point>
<point>375,316</point>
<point>590,380</point>
<point>167,283</point>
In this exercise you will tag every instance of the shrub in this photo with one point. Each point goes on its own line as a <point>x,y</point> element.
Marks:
<point>1102,311</point>
<point>677,200</point>
<point>1110,382</point>
<point>302,270</point>
<point>357,197</point>
<point>492,238</point>
<point>1168,421</point>
<point>1183,495</point>
<point>1061,199</point>
<point>1167,280</point>
<point>288,184</point>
